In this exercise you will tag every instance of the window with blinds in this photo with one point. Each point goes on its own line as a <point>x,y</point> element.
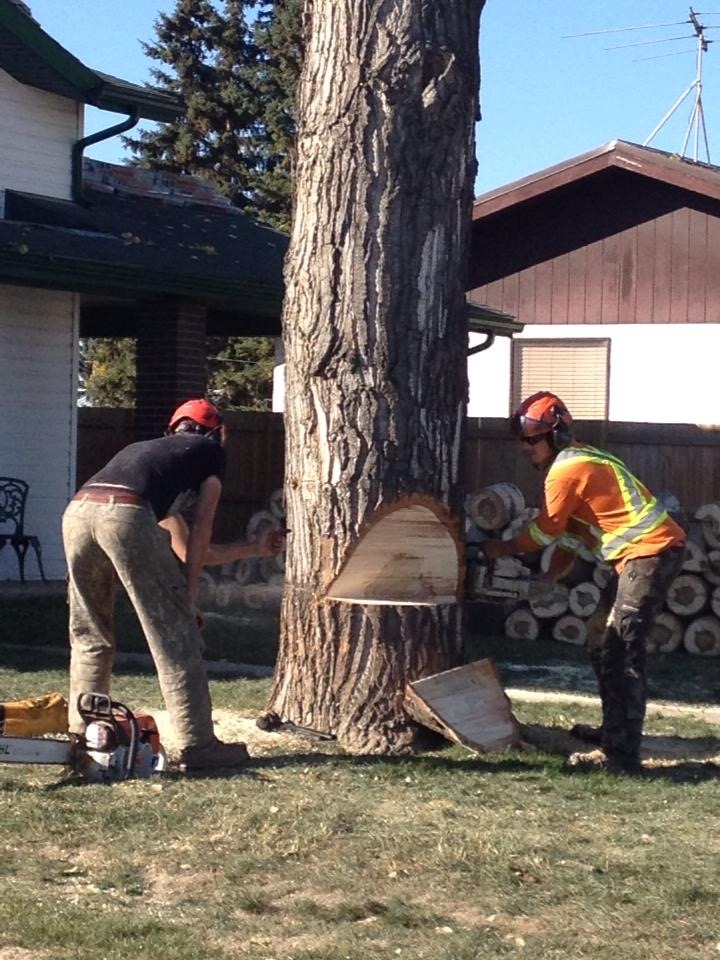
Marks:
<point>576,370</point>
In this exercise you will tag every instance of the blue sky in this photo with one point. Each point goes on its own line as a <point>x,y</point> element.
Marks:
<point>545,96</point>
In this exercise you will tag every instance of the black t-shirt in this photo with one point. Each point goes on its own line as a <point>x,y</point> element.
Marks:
<point>167,472</point>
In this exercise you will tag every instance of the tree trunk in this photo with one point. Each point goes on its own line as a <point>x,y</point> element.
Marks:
<point>375,331</point>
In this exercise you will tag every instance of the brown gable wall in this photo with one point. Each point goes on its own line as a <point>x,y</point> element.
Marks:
<point>612,248</point>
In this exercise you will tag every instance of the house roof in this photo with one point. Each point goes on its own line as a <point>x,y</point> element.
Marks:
<point>493,323</point>
<point>701,178</point>
<point>32,57</point>
<point>173,239</point>
<point>484,319</point>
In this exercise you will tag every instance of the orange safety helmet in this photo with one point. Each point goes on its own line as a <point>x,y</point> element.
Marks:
<point>200,411</point>
<point>543,413</point>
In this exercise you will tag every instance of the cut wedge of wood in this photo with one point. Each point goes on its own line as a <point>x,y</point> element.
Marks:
<point>695,560</point>
<point>712,570</point>
<point>467,705</point>
<point>550,604</point>
<point>715,601</point>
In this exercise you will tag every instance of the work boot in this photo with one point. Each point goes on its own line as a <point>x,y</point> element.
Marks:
<point>588,733</point>
<point>617,764</point>
<point>215,755</point>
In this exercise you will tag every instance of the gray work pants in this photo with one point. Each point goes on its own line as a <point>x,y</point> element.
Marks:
<point>618,656</point>
<point>109,541</point>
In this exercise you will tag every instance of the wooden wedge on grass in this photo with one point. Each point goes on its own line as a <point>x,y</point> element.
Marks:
<point>468,705</point>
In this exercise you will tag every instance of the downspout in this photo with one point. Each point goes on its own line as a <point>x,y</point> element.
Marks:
<point>486,344</point>
<point>79,146</point>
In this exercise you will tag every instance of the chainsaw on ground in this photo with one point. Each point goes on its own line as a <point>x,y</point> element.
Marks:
<point>118,744</point>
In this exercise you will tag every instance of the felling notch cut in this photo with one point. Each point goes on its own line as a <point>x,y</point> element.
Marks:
<point>411,552</point>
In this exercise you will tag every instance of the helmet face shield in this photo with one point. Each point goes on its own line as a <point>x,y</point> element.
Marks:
<point>543,415</point>
<point>523,426</point>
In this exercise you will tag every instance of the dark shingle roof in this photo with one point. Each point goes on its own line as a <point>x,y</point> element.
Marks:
<point>123,244</point>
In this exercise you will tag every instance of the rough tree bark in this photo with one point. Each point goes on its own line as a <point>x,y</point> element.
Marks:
<point>375,333</point>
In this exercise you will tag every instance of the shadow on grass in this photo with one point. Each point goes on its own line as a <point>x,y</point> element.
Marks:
<point>527,766</point>
<point>512,763</point>
<point>679,773</point>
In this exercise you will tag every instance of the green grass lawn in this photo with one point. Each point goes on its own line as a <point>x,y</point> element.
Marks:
<point>314,855</point>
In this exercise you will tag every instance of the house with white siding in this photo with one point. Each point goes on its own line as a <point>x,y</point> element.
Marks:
<point>88,249</point>
<point>611,262</point>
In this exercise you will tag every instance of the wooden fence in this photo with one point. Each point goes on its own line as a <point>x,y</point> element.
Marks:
<point>681,458</point>
<point>256,452</point>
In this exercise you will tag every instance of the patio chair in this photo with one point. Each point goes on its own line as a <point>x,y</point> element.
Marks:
<point>13,497</point>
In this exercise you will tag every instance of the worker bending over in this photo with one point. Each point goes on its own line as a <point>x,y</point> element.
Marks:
<point>125,523</point>
<point>592,499</point>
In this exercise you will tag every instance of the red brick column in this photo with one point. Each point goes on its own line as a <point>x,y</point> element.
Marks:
<point>171,361</point>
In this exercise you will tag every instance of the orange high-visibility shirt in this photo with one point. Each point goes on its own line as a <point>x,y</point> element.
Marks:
<point>591,498</point>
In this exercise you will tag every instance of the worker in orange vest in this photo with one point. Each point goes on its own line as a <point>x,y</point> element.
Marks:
<point>593,500</point>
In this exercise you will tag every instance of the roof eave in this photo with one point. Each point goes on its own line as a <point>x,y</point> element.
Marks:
<point>484,319</point>
<point>88,86</point>
<point>621,154</point>
<point>147,103</point>
<point>83,276</point>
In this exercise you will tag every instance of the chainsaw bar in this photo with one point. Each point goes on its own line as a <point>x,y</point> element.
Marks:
<point>35,750</point>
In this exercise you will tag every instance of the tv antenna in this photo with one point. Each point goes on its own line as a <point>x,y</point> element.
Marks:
<point>696,124</point>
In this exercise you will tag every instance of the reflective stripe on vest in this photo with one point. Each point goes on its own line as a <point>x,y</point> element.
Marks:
<point>645,515</point>
<point>569,541</point>
<point>541,538</point>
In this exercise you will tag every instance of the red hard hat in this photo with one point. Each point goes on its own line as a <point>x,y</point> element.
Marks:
<point>541,413</point>
<point>200,411</point>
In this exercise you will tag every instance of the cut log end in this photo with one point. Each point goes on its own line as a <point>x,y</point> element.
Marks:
<point>687,595</point>
<point>702,637</point>
<point>666,635</point>
<point>496,506</point>
<point>570,629</point>
<point>522,625</point>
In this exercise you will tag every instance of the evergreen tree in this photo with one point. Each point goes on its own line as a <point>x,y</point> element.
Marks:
<point>107,372</point>
<point>240,372</point>
<point>209,54</point>
<point>278,33</point>
<point>236,65</point>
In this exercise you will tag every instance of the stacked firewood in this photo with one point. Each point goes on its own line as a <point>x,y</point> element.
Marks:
<point>256,583</point>
<point>691,618</point>
<point>575,610</point>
